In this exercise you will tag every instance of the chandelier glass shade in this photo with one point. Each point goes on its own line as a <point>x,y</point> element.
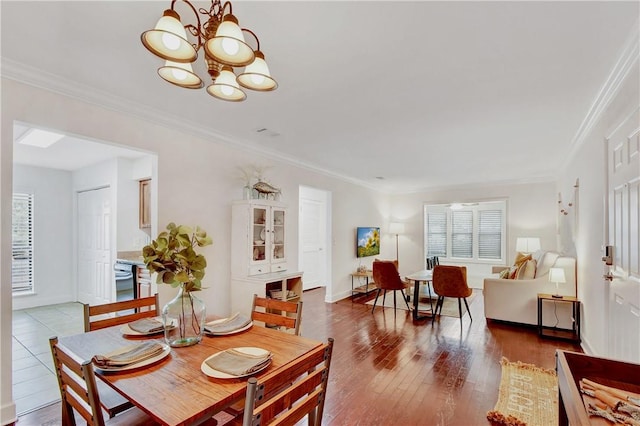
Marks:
<point>224,48</point>
<point>181,75</point>
<point>226,87</point>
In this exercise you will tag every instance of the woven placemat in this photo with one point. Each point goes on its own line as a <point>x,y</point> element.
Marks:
<point>528,396</point>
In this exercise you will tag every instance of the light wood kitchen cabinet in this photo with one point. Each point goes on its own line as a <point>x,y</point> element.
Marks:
<point>143,281</point>
<point>145,204</point>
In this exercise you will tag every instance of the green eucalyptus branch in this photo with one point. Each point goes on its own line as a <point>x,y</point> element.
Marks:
<point>173,257</point>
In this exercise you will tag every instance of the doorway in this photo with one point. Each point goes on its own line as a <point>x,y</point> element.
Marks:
<point>48,174</point>
<point>314,238</point>
<point>623,234</point>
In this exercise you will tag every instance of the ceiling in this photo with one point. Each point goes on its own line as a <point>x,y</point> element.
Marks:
<point>399,96</point>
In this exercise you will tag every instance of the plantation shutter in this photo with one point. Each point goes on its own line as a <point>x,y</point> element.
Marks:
<point>490,234</point>
<point>437,234</point>
<point>22,247</point>
<point>462,234</point>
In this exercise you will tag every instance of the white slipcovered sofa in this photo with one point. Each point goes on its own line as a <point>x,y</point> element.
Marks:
<point>515,300</point>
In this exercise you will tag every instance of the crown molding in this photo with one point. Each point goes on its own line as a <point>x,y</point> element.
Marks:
<point>42,79</point>
<point>629,56</point>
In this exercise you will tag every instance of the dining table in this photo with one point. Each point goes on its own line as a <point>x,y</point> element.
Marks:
<point>419,278</point>
<point>174,390</point>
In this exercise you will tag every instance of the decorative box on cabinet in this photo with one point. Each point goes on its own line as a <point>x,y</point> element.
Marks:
<point>277,285</point>
<point>258,238</point>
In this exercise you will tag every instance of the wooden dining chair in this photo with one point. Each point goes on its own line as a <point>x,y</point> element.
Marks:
<point>118,313</point>
<point>291,393</point>
<point>277,313</point>
<point>386,278</point>
<point>451,281</point>
<point>79,392</point>
<point>274,313</point>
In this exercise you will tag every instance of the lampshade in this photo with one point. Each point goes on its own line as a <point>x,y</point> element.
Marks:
<point>527,244</point>
<point>556,275</point>
<point>228,46</point>
<point>181,75</point>
<point>168,39</point>
<point>256,75</point>
<point>225,87</point>
<point>396,228</point>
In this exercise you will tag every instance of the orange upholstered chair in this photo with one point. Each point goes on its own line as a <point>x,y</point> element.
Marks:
<point>387,278</point>
<point>451,281</point>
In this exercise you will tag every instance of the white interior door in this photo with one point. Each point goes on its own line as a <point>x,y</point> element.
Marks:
<point>313,237</point>
<point>95,272</point>
<point>623,169</point>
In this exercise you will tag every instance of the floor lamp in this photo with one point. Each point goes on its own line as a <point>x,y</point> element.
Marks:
<point>396,228</point>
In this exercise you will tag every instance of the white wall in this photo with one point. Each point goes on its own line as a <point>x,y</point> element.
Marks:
<point>531,212</point>
<point>52,234</point>
<point>129,235</point>
<point>588,165</point>
<point>210,169</point>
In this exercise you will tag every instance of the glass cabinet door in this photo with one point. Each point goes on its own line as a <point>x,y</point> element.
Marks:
<point>260,235</point>
<point>278,227</point>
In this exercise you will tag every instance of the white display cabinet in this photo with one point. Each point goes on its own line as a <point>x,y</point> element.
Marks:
<point>258,238</point>
<point>259,254</point>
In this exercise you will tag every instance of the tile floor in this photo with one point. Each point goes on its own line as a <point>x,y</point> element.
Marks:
<point>34,381</point>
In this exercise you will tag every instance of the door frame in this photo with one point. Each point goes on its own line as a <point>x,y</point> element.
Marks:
<point>326,200</point>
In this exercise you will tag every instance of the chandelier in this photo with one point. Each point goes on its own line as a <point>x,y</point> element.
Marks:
<point>224,49</point>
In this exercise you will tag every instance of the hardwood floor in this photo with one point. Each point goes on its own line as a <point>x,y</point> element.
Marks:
<point>388,370</point>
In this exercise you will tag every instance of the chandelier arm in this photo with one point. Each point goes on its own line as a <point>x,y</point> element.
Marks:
<point>193,29</point>
<point>224,6</point>
<point>254,36</point>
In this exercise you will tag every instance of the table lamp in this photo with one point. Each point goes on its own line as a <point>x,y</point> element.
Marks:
<point>556,275</point>
<point>396,228</point>
<point>527,244</point>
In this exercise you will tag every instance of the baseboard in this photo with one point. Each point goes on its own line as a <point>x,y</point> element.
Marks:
<point>511,323</point>
<point>35,300</point>
<point>8,414</point>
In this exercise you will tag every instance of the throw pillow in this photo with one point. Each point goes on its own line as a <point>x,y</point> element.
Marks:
<point>527,271</point>
<point>513,272</point>
<point>521,258</point>
<point>505,273</point>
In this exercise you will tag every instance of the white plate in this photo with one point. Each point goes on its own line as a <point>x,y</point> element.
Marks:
<point>263,235</point>
<point>209,333</point>
<point>127,331</point>
<point>221,375</point>
<point>166,350</point>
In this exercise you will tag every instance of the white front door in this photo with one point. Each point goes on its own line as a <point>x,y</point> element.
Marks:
<point>313,237</point>
<point>95,272</point>
<point>623,169</point>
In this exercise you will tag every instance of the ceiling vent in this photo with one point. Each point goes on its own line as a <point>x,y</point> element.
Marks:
<point>267,132</point>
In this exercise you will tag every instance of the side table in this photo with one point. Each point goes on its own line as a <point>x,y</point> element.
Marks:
<point>571,334</point>
<point>369,285</point>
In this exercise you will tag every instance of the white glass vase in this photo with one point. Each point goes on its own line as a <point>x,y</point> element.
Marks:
<point>183,318</point>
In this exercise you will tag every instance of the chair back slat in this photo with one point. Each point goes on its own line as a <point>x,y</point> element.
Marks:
<point>275,312</point>
<point>275,319</point>
<point>118,312</point>
<point>78,389</point>
<point>284,397</point>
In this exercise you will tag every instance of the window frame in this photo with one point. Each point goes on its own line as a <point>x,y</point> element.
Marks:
<point>475,208</point>
<point>29,287</point>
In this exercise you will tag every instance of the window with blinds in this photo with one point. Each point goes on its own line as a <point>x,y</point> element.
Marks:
<point>22,243</point>
<point>471,231</point>
<point>436,234</point>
